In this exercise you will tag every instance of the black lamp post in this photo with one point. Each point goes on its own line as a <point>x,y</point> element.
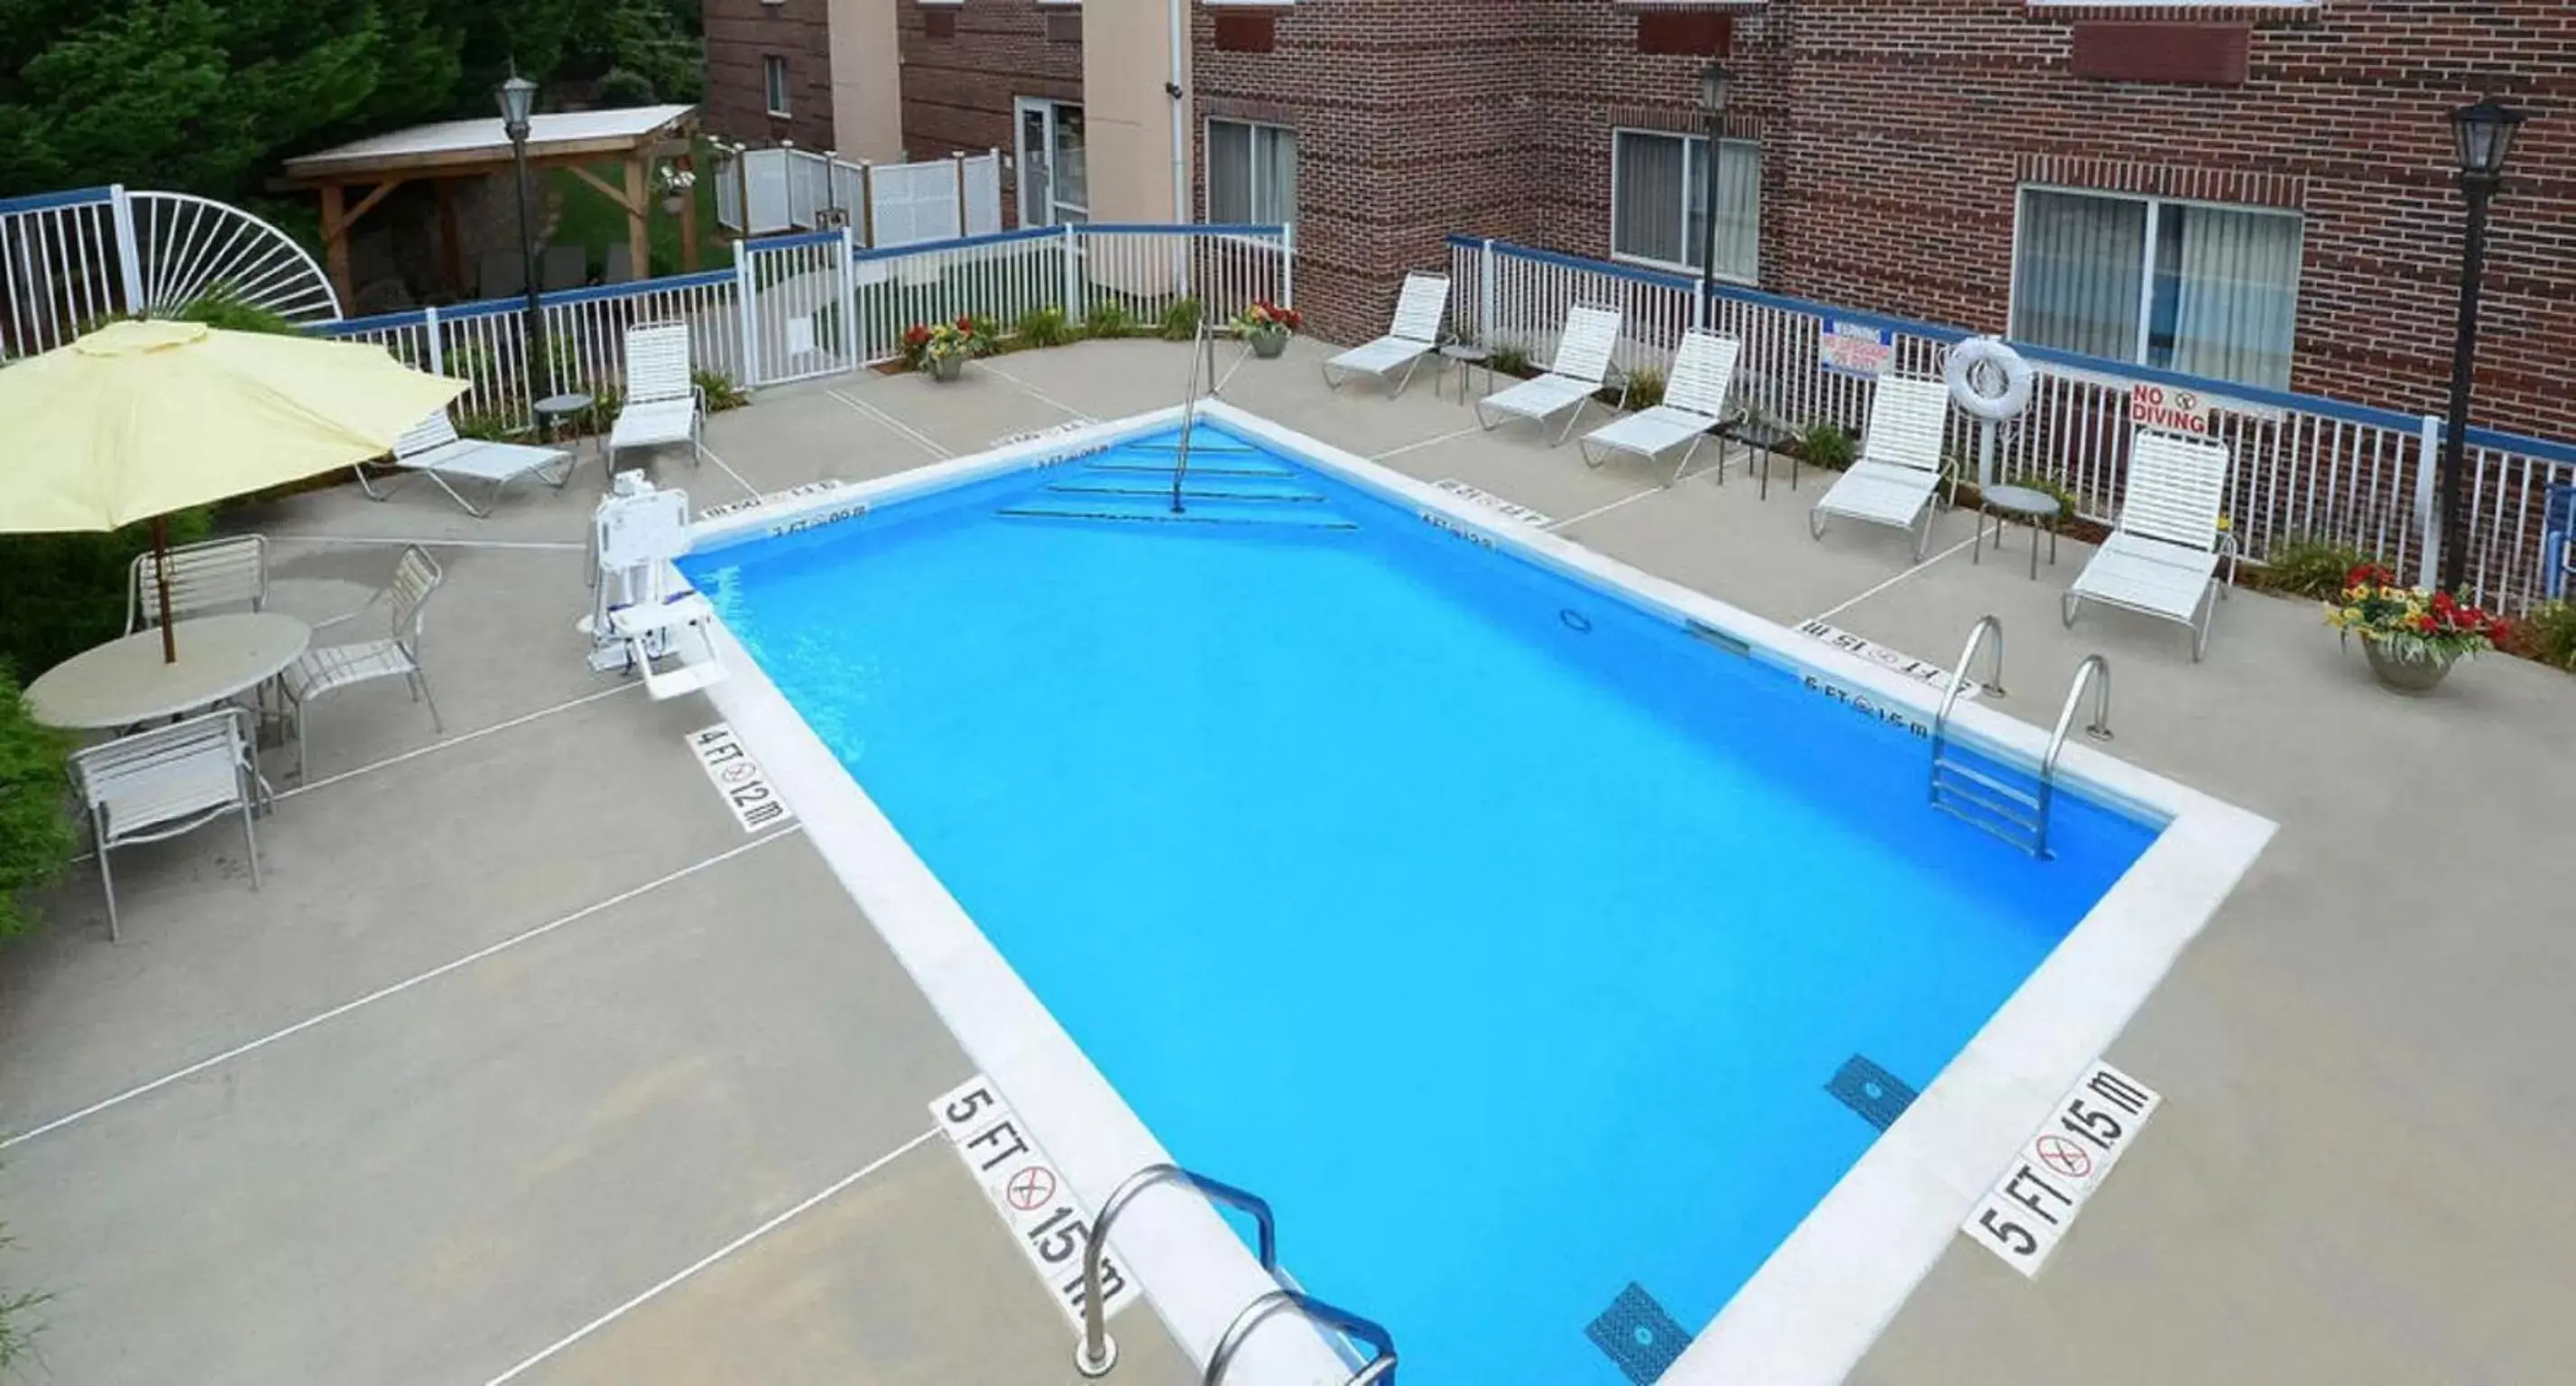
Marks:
<point>2484,133</point>
<point>518,99</point>
<point>1713,83</point>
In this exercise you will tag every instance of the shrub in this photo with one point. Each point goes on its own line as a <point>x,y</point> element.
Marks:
<point>1511,358</point>
<point>2547,633</point>
<point>1109,318</point>
<point>620,86</point>
<point>1044,327</point>
<point>1181,320</point>
<point>221,307</point>
<point>721,392</point>
<point>67,591</point>
<point>2066,503</point>
<point>1645,388</point>
<point>2310,567</point>
<point>36,831</point>
<point>1824,445</point>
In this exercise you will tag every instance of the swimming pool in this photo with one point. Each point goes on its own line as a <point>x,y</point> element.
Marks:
<point>1544,959</point>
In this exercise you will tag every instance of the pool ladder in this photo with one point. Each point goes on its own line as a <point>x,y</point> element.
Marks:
<point>1982,800</point>
<point>1096,1352</point>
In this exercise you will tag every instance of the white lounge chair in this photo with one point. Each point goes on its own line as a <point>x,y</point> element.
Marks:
<point>2162,557</point>
<point>1582,363</point>
<point>432,449</point>
<point>1419,311</point>
<point>662,405</point>
<point>1694,403</point>
<point>330,668</point>
<point>1900,462</point>
<point>210,576</point>
<point>163,782</point>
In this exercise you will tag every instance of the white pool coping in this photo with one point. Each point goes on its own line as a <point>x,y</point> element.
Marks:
<point>1825,1293</point>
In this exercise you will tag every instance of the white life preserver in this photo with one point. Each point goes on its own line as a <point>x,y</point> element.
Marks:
<point>1968,382</point>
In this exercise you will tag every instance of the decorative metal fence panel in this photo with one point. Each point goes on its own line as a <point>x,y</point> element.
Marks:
<point>798,291</point>
<point>58,257</point>
<point>999,277</point>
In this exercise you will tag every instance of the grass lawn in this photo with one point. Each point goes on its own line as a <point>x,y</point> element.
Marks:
<point>595,223</point>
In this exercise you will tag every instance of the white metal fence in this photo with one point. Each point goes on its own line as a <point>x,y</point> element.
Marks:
<point>70,259</point>
<point>762,192</point>
<point>2304,466</point>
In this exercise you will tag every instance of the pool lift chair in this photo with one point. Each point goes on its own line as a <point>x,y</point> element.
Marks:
<point>645,619</point>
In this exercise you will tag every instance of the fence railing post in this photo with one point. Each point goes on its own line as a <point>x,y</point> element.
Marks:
<point>437,346</point>
<point>1485,295</point>
<point>849,258</point>
<point>1288,265</point>
<point>1072,277</point>
<point>867,202</point>
<point>2428,526</point>
<point>958,158</point>
<point>745,312</point>
<point>129,257</point>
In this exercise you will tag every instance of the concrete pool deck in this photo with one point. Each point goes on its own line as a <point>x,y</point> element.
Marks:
<point>528,1064</point>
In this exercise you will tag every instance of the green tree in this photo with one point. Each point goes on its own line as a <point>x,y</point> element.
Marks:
<point>36,834</point>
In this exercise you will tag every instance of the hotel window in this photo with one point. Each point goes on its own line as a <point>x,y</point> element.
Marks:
<point>773,79</point>
<point>1251,173</point>
<point>1658,195</point>
<point>2184,286</point>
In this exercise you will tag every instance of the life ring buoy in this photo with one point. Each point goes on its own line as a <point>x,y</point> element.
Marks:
<point>1970,379</point>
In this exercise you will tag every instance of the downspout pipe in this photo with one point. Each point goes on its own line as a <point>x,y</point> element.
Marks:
<point>1180,141</point>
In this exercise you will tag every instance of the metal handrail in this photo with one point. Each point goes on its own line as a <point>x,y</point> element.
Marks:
<point>1985,626</point>
<point>1202,346</point>
<point>2095,673</point>
<point>1380,1371</point>
<point>1095,1354</point>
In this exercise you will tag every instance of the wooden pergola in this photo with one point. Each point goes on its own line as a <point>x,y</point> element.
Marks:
<point>449,150</point>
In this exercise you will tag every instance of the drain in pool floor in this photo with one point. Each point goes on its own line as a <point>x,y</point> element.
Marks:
<point>1876,1095</point>
<point>1638,1335</point>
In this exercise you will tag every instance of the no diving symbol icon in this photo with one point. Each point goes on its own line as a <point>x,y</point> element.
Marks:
<point>1030,1188</point>
<point>2063,1156</point>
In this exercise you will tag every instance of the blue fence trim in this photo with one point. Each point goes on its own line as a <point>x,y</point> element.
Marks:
<point>1025,233</point>
<point>560,298</point>
<point>2122,370</point>
<point>2546,449</point>
<point>379,322</point>
<point>791,242</point>
<point>703,279</point>
<point>1213,228</point>
<point>37,202</point>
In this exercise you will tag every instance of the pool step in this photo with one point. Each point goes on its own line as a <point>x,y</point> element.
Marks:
<point>1157,509</point>
<point>1199,486</point>
<point>1202,463</point>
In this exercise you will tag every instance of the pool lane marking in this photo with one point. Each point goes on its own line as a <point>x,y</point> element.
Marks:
<point>671,1281</point>
<point>396,989</point>
<point>1573,520</point>
<point>903,430</point>
<point>1425,443</point>
<point>747,488</point>
<point>1832,611</point>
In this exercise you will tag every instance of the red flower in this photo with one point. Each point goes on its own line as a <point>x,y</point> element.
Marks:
<point>966,325</point>
<point>917,335</point>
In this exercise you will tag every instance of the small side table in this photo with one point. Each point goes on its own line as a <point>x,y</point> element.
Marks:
<point>1467,356</point>
<point>551,413</point>
<point>1770,440</point>
<point>2032,508</point>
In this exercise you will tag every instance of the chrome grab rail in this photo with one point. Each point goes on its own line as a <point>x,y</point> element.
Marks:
<point>1095,1354</point>
<point>1380,1371</point>
<point>1202,346</point>
<point>1986,626</point>
<point>2095,673</point>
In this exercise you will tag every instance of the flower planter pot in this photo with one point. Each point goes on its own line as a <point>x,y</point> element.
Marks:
<point>2401,673</point>
<point>945,368</point>
<point>673,202</point>
<point>1268,342</point>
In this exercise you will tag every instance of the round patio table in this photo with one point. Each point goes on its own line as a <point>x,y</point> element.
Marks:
<point>124,681</point>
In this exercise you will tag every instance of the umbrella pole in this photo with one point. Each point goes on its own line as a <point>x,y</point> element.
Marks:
<point>161,578</point>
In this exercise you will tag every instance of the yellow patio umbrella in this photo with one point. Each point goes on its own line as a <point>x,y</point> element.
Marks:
<point>141,418</point>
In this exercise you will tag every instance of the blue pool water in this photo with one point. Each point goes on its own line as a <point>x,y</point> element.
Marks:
<point>1504,936</point>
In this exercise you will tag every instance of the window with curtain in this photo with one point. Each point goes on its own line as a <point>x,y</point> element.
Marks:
<point>2185,286</point>
<point>773,78</point>
<point>1251,173</point>
<point>1658,202</point>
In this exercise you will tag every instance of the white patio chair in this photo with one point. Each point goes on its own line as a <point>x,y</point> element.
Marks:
<point>1694,403</point>
<point>160,783</point>
<point>1900,462</point>
<point>210,576</point>
<point>1582,363</point>
<point>1419,311</point>
<point>662,404</point>
<point>432,449</point>
<point>2162,558</point>
<point>330,668</point>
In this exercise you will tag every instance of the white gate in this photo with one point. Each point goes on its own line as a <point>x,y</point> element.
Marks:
<point>798,317</point>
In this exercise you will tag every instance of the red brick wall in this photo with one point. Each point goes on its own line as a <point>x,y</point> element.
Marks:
<point>739,33</point>
<point>957,91</point>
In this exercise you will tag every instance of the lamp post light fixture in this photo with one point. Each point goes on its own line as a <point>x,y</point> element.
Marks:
<point>1714,82</point>
<point>517,97</point>
<point>2483,134</point>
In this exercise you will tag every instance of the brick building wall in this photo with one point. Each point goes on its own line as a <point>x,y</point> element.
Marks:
<point>964,63</point>
<point>739,35</point>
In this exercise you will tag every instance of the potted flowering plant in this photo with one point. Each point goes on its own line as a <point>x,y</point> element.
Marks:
<point>1266,325</point>
<point>675,182</point>
<point>943,349</point>
<point>2412,634</point>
